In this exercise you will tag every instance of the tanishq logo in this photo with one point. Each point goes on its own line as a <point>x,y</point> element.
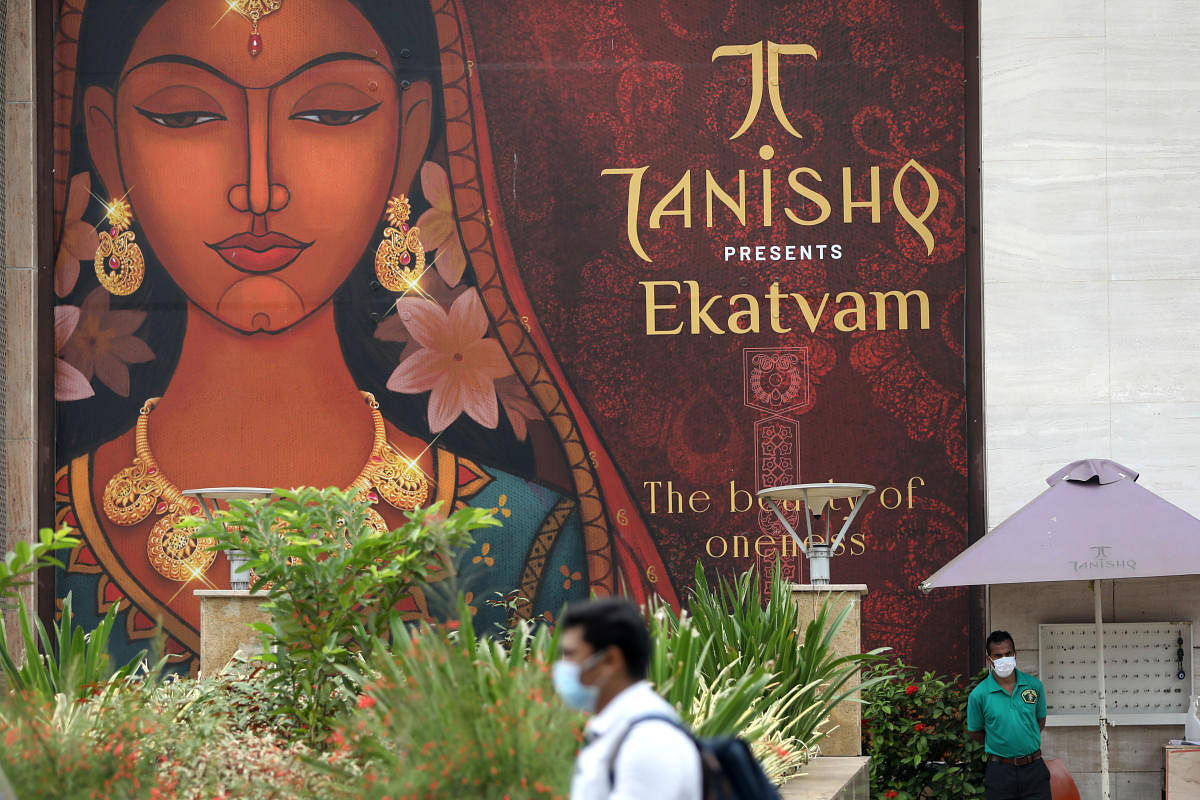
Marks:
<point>721,199</point>
<point>773,50</point>
<point>1101,560</point>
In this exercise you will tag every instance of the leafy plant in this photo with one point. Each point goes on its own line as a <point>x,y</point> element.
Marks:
<point>758,634</point>
<point>78,750</point>
<point>914,729</point>
<point>181,738</point>
<point>71,662</point>
<point>334,583</point>
<point>451,715</point>
<point>734,664</point>
<point>713,704</point>
<point>27,558</point>
<point>218,740</point>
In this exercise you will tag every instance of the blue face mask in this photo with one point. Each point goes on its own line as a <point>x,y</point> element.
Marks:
<point>573,691</point>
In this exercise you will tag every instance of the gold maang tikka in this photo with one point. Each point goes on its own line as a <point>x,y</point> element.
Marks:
<point>400,257</point>
<point>254,10</point>
<point>120,266</point>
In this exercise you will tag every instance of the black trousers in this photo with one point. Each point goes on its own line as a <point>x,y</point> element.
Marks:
<point>1007,782</point>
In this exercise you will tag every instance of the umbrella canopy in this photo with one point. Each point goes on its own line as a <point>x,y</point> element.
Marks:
<point>1093,523</point>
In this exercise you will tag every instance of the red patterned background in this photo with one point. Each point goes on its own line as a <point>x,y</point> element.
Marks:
<point>574,88</point>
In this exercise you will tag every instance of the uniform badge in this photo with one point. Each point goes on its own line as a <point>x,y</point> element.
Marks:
<point>1030,696</point>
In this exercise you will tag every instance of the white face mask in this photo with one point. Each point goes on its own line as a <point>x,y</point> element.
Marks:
<point>1003,667</point>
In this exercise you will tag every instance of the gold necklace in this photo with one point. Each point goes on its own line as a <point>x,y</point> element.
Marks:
<point>136,490</point>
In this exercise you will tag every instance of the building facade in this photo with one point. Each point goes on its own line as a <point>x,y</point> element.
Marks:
<point>1089,149</point>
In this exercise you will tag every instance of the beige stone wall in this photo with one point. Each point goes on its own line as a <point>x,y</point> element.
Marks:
<point>1091,226</point>
<point>1135,752</point>
<point>845,722</point>
<point>20,277</point>
<point>225,619</point>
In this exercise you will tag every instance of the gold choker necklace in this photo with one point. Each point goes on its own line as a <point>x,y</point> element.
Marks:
<point>140,488</point>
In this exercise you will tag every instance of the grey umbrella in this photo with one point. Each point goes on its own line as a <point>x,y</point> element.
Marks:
<point>1094,523</point>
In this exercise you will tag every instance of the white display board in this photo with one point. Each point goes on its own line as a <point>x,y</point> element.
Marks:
<point>1148,672</point>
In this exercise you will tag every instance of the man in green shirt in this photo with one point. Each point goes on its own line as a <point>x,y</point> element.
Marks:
<point>1007,712</point>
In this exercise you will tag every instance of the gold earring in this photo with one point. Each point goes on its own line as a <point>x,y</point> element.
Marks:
<point>400,257</point>
<point>119,263</point>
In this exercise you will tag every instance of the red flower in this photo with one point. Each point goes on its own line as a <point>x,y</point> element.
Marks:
<point>890,793</point>
<point>912,689</point>
<point>366,701</point>
<point>920,726</point>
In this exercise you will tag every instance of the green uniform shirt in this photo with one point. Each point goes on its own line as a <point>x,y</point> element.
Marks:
<point>1009,721</point>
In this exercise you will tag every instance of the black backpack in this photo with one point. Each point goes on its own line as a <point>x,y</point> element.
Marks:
<point>729,770</point>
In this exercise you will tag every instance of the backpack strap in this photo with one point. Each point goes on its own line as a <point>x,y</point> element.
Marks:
<point>612,760</point>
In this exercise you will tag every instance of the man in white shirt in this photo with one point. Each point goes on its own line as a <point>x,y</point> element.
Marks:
<point>605,649</point>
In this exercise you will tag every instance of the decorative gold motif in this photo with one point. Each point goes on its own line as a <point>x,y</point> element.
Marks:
<point>120,266</point>
<point>174,553</point>
<point>133,492</point>
<point>400,257</point>
<point>254,10</point>
<point>388,473</point>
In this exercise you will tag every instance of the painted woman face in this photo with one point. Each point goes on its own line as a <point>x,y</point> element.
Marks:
<point>257,180</point>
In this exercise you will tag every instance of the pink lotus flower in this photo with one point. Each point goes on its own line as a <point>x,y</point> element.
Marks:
<point>79,240</point>
<point>456,364</point>
<point>518,405</point>
<point>103,344</point>
<point>439,225</point>
<point>69,383</point>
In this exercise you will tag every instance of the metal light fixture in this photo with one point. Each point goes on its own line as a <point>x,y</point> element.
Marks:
<point>817,499</point>
<point>239,573</point>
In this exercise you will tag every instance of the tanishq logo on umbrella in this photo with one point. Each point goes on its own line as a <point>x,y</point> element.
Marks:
<point>1101,560</point>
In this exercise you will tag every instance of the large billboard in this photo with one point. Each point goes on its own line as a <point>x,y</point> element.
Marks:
<point>606,268</point>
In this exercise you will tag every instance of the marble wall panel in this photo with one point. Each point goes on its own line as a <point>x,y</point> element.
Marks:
<point>1037,19</point>
<point>1152,74</point>
<point>19,369</point>
<point>1041,98</point>
<point>1153,350</point>
<point>18,51</point>
<point>1131,748</point>
<point>1020,607</point>
<point>1045,222</point>
<point>1158,599</point>
<point>1160,440</point>
<point>1154,216</point>
<point>1046,342</point>
<point>21,461</point>
<point>1027,442</point>
<point>20,247</point>
<point>1124,785</point>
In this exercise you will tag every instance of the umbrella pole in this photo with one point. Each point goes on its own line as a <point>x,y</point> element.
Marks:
<point>1103,704</point>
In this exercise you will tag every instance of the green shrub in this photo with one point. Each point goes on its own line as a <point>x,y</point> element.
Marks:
<point>218,740</point>
<point>333,584</point>
<point>77,750</point>
<point>452,716</point>
<point>914,729</point>
<point>734,663</point>
<point>175,738</point>
<point>71,662</point>
<point>27,558</point>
